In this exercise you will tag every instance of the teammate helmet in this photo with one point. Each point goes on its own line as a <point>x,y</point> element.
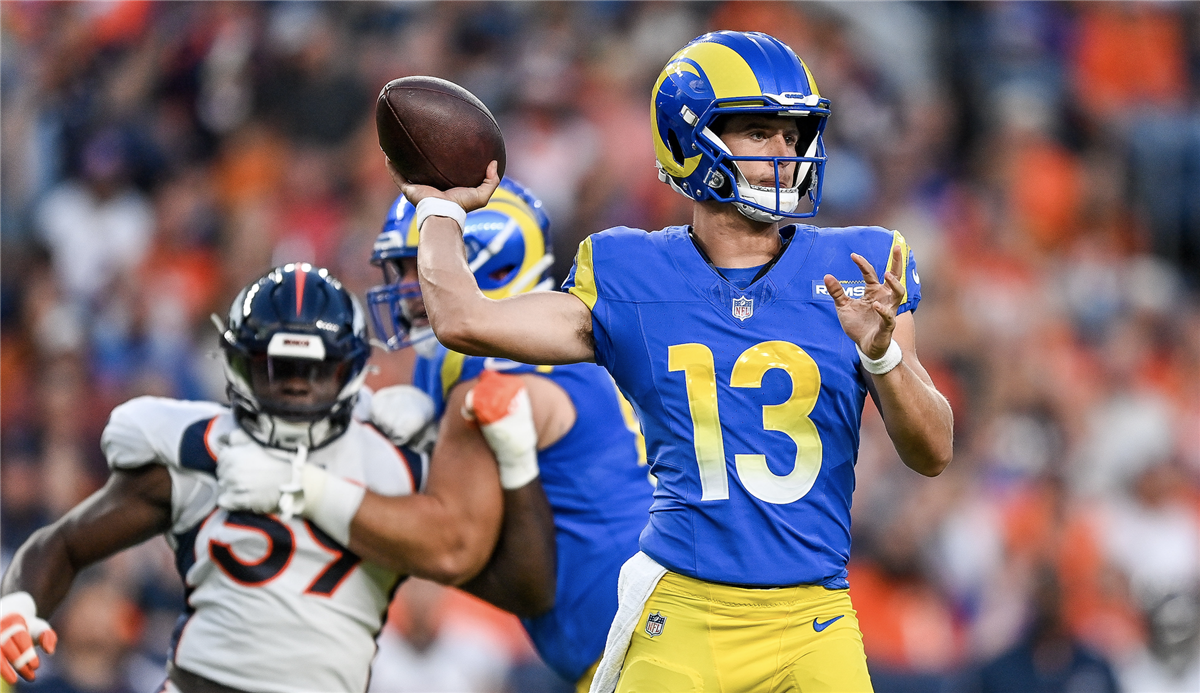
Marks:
<point>508,250</point>
<point>296,349</point>
<point>727,73</point>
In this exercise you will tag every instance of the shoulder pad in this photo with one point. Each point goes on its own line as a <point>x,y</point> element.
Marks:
<point>171,432</point>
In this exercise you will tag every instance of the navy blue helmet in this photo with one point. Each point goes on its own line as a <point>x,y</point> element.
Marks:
<point>296,349</point>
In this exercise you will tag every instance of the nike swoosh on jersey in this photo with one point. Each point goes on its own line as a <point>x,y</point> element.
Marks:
<point>818,626</point>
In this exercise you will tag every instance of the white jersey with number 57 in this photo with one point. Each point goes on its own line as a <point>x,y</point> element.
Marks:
<point>272,606</point>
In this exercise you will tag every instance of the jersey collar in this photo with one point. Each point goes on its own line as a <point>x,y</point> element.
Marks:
<point>777,274</point>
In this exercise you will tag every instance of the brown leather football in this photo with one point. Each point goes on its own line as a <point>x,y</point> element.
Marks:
<point>437,133</point>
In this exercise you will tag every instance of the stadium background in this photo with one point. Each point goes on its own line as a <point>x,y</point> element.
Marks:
<point>1043,160</point>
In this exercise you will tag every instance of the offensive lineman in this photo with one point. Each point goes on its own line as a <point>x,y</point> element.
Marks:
<point>295,354</point>
<point>588,444</point>
<point>747,348</point>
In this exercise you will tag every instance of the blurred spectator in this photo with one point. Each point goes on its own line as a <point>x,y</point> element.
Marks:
<point>97,626</point>
<point>1048,659</point>
<point>1171,661</point>
<point>312,92</point>
<point>1153,535</point>
<point>435,649</point>
<point>21,508</point>
<point>1129,426</point>
<point>99,227</point>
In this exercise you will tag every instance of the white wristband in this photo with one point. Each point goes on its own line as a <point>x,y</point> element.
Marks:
<point>519,470</point>
<point>438,207</point>
<point>331,502</point>
<point>19,603</point>
<point>22,603</point>
<point>883,364</point>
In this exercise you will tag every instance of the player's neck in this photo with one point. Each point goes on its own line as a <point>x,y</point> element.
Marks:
<point>732,240</point>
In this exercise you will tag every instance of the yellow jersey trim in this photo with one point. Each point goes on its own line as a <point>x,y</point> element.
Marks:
<point>452,368</point>
<point>585,275</point>
<point>898,240</point>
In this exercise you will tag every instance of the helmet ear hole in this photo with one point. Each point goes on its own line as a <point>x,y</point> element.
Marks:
<point>675,147</point>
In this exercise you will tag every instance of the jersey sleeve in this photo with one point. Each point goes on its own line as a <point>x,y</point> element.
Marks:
<point>909,279</point>
<point>582,283</point>
<point>146,430</point>
<point>173,433</point>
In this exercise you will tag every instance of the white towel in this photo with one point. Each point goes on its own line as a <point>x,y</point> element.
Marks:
<point>639,577</point>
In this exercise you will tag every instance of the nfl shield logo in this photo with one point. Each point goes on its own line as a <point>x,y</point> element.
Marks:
<point>655,623</point>
<point>743,307</point>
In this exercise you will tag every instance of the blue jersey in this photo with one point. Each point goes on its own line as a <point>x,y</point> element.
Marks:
<point>750,400</point>
<point>596,482</point>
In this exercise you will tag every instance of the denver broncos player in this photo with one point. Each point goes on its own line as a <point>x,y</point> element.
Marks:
<point>588,441</point>
<point>747,344</point>
<point>295,354</point>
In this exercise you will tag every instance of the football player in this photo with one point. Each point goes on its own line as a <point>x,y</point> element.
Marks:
<point>590,463</point>
<point>295,353</point>
<point>747,344</point>
<point>590,451</point>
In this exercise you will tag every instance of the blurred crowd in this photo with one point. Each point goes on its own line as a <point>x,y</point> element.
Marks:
<point>1042,159</point>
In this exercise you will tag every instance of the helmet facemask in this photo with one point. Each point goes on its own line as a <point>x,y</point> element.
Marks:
<point>398,311</point>
<point>761,203</point>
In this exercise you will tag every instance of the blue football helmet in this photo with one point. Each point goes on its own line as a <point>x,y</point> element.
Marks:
<point>508,250</point>
<point>728,73</point>
<point>295,346</point>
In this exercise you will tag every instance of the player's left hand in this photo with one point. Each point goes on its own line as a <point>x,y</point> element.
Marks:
<point>869,320</point>
<point>251,477</point>
<point>20,628</point>
<point>469,199</point>
<point>500,405</point>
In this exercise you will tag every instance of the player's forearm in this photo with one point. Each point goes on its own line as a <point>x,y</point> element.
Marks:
<point>542,327</point>
<point>132,507</point>
<point>420,535</point>
<point>453,301</point>
<point>43,568</point>
<point>918,420</point>
<point>521,575</point>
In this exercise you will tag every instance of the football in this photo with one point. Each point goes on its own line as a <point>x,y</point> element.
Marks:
<point>437,133</point>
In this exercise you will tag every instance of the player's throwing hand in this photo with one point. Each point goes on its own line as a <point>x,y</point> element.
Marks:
<point>869,320</point>
<point>19,629</point>
<point>469,199</point>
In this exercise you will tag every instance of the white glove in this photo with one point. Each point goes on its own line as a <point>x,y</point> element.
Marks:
<point>20,628</point>
<point>251,476</point>
<point>500,405</point>
<point>402,412</point>
<point>266,480</point>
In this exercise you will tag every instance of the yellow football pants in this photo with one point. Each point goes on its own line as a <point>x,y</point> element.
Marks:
<point>701,636</point>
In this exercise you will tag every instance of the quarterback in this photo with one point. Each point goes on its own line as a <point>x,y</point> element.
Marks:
<point>295,350</point>
<point>747,344</point>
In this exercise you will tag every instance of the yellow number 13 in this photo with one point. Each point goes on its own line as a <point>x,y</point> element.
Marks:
<point>790,418</point>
